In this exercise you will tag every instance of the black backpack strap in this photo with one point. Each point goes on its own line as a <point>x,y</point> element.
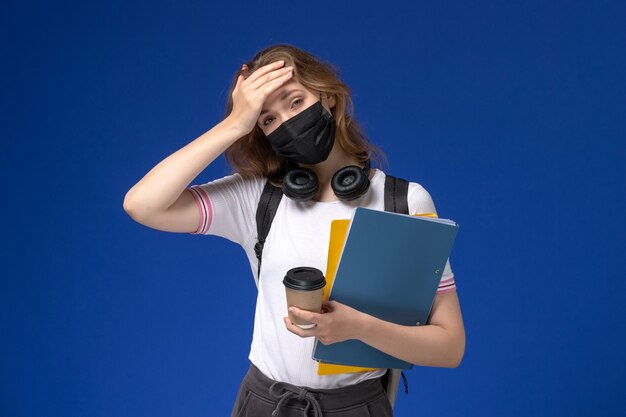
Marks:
<point>396,191</point>
<point>265,212</point>
<point>396,200</point>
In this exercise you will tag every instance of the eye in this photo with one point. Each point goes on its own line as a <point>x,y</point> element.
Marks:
<point>265,121</point>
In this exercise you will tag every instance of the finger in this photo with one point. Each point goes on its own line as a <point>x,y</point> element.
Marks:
<point>293,328</point>
<point>273,85</point>
<point>260,72</point>
<point>240,78</point>
<point>305,314</point>
<point>243,74</point>
<point>275,75</point>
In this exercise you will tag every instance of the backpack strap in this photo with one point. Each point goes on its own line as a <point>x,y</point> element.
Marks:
<point>265,212</point>
<point>396,200</point>
<point>396,191</point>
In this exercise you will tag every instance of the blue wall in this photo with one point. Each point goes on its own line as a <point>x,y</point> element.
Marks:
<point>512,116</point>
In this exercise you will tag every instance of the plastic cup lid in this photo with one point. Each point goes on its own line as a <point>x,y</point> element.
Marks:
<point>304,278</point>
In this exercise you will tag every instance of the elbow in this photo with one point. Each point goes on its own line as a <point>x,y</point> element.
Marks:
<point>459,352</point>
<point>456,361</point>
<point>128,207</point>
<point>131,208</point>
<point>454,350</point>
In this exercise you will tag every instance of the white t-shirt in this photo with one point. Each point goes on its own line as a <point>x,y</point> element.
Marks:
<point>298,236</point>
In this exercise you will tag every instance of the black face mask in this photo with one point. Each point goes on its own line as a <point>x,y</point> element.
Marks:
<point>307,137</point>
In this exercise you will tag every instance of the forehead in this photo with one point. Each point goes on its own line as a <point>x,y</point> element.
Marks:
<point>276,97</point>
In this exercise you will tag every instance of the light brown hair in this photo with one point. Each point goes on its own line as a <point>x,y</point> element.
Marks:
<point>252,154</point>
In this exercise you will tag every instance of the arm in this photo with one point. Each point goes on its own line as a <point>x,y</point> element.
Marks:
<point>440,343</point>
<point>158,200</point>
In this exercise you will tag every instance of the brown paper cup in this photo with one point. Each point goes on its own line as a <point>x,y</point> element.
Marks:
<point>304,288</point>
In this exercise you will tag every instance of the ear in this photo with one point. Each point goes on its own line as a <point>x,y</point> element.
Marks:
<point>331,101</point>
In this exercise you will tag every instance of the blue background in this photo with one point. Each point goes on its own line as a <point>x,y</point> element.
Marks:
<point>511,115</point>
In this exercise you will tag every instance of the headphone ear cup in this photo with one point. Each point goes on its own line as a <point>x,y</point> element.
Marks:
<point>300,184</point>
<point>350,183</point>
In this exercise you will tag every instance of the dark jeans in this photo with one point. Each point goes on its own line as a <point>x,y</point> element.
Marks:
<point>262,396</point>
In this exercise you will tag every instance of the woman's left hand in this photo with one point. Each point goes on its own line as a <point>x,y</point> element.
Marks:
<point>339,322</point>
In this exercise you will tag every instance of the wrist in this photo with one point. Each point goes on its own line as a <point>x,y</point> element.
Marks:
<point>232,125</point>
<point>363,323</point>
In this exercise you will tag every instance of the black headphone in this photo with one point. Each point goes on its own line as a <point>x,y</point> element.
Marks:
<point>349,183</point>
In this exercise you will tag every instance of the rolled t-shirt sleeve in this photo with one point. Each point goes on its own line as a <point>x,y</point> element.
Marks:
<point>420,202</point>
<point>227,206</point>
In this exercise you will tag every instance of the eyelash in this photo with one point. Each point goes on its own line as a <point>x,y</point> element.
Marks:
<point>299,99</point>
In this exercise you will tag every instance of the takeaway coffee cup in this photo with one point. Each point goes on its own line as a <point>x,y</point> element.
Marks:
<point>304,287</point>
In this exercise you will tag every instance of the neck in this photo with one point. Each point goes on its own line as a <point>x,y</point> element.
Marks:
<point>336,160</point>
<point>325,170</point>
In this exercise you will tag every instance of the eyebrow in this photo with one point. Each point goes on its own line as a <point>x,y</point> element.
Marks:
<point>282,98</point>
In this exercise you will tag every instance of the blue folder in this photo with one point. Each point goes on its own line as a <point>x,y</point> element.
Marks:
<point>390,268</point>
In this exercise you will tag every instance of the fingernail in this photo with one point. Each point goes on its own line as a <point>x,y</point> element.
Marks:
<point>292,309</point>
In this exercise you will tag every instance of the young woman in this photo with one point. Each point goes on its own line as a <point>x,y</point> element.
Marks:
<point>289,119</point>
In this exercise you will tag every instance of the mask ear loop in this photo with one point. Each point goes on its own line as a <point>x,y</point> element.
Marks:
<point>322,103</point>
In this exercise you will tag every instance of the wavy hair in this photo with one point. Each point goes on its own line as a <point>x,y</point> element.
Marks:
<point>252,154</point>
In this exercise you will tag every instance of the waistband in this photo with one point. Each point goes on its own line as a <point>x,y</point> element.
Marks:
<point>319,399</point>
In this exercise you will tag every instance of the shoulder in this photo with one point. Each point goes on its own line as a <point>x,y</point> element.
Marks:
<point>418,198</point>
<point>236,177</point>
<point>234,181</point>
<point>232,190</point>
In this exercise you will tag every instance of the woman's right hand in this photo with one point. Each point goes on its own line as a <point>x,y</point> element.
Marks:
<point>250,93</point>
<point>159,199</point>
